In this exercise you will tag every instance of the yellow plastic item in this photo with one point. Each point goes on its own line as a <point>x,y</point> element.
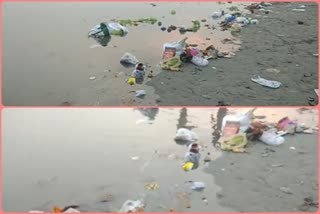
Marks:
<point>132,81</point>
<point>187,166</point>
<point>57,209</point>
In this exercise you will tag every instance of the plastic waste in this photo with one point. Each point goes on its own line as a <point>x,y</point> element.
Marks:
<point>217,14</point>
<point>128,58</point>
<point>199,61</point>
<point>235,143</point>
<point>197,185</point>
<point>184,134</point>
<point>107,29</point>
<point>235,28</point>
<point>132,206</point>
<point>178,46</point>
<point>138,73</point>
<point>242,20</point>
<point>287,125</point>
<point>265,82</point>
<point>192,157</point>
<point>229,18</point>
<point>71,210</point>
<point>140,93</point>
<point>271,138</point>
<point>131,81</point>
<point>254,21</point>
<point>316,91</point>
<point>243,118</point>
<point>172,64</point>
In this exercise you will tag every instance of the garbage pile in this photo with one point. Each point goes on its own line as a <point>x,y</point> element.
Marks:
<point>238,129</point>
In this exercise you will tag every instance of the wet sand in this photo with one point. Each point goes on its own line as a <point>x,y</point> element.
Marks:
<point>251,184</point>
<point>278,42</point>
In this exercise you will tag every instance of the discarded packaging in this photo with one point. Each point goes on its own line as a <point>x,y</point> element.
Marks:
<point>271,138</point>
<point>299,10</point>
<point>152,186</point>
<point>192,157</point>
<point>199,61</point>
<point>186,135</point>
<point>140,93</point>
<point>172,64</point>
<point>265,82</point>
<point>177,46</point>
<point>107,29</point>
<point>235,28</point>
<point>132,206</point>
<point>128,58</point>
<point>234,143</point>
<point>287,125</point>
<point>198,186</point>
<point>243,118</point>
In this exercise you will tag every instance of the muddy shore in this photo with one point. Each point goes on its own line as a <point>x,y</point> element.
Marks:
<point>277,42</point>
<point>251,183</point>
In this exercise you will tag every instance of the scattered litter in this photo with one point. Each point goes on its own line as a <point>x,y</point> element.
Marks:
<point>173,12</point>
<point>152,186</point>
<point>316,91</point>
<point>132,206</point>
<point>235,143</point>
<point>184,134</point>
<point>130,22</point>
<point>198,186</point>
<point>128,58</point>
<point>214,68</point>
<point>131,81</point>
<point>135,158</point>
<point>271,138</point>
<point>223,169</point>
<point>292,148</point>
<point>265,82</point>
<point>286,190</point>
<point>316,55</point>
<point>192,157</point>
<point>107,29</point>
<point>308,131</point>
<point>140,93</point>
<point>92,78</point>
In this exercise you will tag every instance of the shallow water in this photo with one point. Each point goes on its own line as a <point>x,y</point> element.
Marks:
<point>48,59</point>
<point>76,156</point>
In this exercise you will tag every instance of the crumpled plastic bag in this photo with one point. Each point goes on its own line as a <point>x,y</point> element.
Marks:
<point>271,138</point>
<point>132,206</point>
<point>129,58</point>
<point>235,143</point>
<point>184,134</point>
<point>199,61</point>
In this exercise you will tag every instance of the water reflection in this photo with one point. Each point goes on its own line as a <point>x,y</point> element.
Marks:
<point>151,113</point>
<point>217,124</point>
<point>103,40</point>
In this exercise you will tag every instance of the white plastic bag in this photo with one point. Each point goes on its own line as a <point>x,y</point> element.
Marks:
<point>244,119</point>
<point>199,61</point>
<point>128,58</point>
<point>198,186</point>
<point>132,206</point>
<point>186,135</point>
<point>271,138</point>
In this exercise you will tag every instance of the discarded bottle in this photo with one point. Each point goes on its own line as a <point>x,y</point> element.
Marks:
<point>192,157</point>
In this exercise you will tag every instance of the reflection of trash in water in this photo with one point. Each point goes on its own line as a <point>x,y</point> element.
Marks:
<point>151,113</point>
